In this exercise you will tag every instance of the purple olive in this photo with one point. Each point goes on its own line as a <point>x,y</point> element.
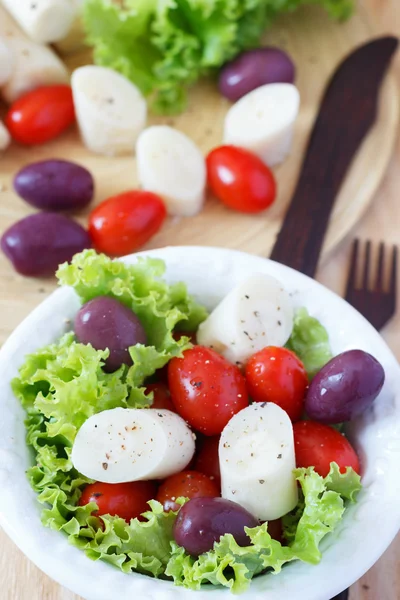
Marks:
<point>37,244</point>
<point>55,185</point>
<point>107,323</point>
<point>253,69</point>
<point>202,521</point>
<point>345,387</point>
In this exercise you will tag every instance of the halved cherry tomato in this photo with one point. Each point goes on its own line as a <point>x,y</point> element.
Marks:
<point>277,375</point>
<point>126,500</point>
<point>41,115</point>
<point>125,222</point>
<point>207,458</point>
<point>206,389</point>
<point>189,484</point>
<point>317,445</point>
<point>161,396</point>
<point>240,179</point>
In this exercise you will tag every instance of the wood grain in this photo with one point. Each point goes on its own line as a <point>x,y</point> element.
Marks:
<point>20,578</point>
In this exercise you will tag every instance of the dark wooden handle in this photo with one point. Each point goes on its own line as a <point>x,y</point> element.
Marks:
<point>347,112</point>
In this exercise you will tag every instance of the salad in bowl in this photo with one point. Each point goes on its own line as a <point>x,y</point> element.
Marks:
<point>198,420</point>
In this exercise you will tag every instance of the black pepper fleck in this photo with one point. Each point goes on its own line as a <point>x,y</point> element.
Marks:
<point>261,481</point>
<point>105,466</point>
<point>279,456</point>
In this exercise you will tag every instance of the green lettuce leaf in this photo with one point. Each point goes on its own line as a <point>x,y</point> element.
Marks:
<point>159,306</point>
<point>142,546</point>
<point>310,342</point>
<point>320,509</point>
<point>164,46</point>
<point>62,385</point>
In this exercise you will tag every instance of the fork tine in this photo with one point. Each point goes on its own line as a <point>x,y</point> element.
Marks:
<point>367,264</point>
<point>351,281</point>
<point>379,274</point>
<point>393,272</point>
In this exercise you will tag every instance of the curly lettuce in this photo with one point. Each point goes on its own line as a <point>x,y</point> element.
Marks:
<point>62,385</point>
<point>164,46</point>
<point>310,342</point>
<point>320,510</point>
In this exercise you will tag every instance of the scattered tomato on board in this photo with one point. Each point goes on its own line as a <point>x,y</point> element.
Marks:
<point>240,179</point>
<point>41,115</point>
<point>123,223</point>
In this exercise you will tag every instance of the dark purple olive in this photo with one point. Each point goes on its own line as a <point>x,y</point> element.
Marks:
<point>344,387</point>
<point>37,244</point>
<point>253,69</point>
<point>55,185</point>
<point>202,521</point>
<point>107,323</point>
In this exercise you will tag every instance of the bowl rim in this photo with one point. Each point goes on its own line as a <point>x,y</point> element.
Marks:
<point>61,562</point>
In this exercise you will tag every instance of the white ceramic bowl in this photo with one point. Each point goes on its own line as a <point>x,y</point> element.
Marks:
<point>365,532</point>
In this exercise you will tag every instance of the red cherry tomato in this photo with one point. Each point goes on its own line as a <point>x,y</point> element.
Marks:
<point>123,223</point>
<point>277,375</point>
<point>317,445</point>
<point>41,115</point>
<point>207,459</point>
<point>240,179</point>
<point>188,484</point>
<point>161,396</point>
<point>127,500</point>
<point>206,389</point>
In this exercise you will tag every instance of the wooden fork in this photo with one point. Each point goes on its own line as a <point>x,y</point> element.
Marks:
<point>376,302</point>
<point>374,299</point>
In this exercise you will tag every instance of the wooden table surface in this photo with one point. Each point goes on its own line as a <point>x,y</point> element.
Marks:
<point>21,580</point>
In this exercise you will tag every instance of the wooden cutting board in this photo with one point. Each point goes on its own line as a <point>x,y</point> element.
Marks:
<point>317,45</point>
